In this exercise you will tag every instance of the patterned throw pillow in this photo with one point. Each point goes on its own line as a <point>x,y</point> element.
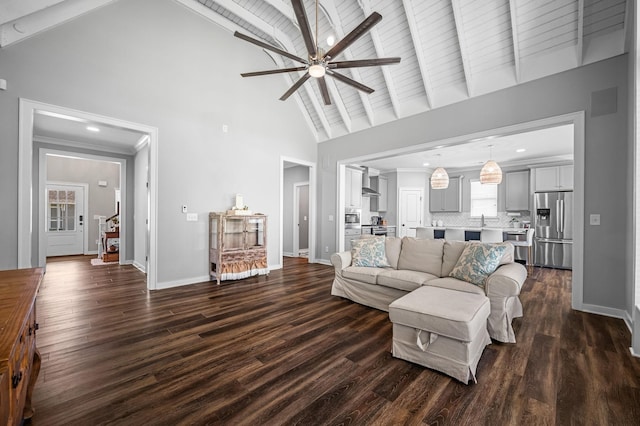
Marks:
<point>477,262</point>
<point>369,252</point>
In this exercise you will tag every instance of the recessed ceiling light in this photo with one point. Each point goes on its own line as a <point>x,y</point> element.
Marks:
<point>425,164</point>
<point>93,129</point>
<point>330,40</point>
<point>520,150</point>
<point>439,146</point>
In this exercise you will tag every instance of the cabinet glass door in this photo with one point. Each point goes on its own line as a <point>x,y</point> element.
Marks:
<point>255,232</point>
<point>233,234</point>
<point>213,234</point>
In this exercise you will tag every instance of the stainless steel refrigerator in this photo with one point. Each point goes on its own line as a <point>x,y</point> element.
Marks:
<point>553,237</point>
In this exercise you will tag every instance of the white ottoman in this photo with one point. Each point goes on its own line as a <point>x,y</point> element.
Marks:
<point>442,329</point>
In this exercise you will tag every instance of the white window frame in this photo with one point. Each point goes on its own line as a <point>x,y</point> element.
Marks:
<point>489,193</point>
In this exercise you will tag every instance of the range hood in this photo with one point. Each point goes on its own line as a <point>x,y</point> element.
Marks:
<point>366,190</point>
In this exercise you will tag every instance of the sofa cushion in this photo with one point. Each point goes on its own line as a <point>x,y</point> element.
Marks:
<point>455,284</point>
<point>477,262</point>
<point>369,252</point>
<point>451,253</point>
<point>421,255</point>
<point>404,279</point>
<point>392,246</point>
<point>362,273</point>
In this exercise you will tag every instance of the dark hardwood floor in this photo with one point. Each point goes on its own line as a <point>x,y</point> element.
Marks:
<point>281,350</point>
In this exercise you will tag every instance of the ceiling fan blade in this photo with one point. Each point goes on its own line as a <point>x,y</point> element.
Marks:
<point>350,82</point>
<point>295,86</point>
<point>357,32</point>
<point>279,71</point>
<point>305,29</point>
<point>322,83</point>
<point>269,47</point>
<point>363,63</point>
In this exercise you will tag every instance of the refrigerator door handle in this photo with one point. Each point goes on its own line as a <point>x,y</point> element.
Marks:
<point>557,212</point>
<point>561,216</point>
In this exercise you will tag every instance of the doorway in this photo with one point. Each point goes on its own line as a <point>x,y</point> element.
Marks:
<point>65,217</point>
<point>410,211</point>
<point>297,209</point>
<point>301,219</point>
<point>31,241</point>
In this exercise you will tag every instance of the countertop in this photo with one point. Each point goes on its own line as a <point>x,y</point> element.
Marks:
<point>385,226</point>
<point>477,228</point>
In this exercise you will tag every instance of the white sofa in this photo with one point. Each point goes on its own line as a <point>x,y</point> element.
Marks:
<point>419,262</point>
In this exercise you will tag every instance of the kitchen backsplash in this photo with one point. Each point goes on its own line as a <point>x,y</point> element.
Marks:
<point>464,219</point>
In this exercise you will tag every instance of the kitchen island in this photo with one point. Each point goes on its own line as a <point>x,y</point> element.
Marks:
<point>472,233</point>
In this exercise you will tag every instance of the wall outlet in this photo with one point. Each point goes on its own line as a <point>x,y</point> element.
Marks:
<point>184,208</point>
<point>326,249</point>
<point>594,219</point>
<point>330,218</point>
<point>192,217</point>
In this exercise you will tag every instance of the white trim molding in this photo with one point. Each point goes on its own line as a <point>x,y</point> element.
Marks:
<point>27,110</point>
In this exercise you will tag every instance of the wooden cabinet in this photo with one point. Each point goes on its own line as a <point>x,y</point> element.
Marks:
<point>447,200</point>
<point>353,188</point>
<point>111,246</point>
<point>380,184</point>
<point>556,178</point>
<point>517,191</point>
<point>19,357</point>
<point>237,246</point>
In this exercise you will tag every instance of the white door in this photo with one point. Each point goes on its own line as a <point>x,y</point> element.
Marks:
<point>410,211</point>
<point>301,219</point>
<point>65,220</point>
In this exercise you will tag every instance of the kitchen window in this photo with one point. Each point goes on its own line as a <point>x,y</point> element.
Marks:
<point>484,199</point>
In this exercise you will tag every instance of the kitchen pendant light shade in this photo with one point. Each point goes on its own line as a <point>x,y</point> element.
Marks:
<point>491,173</point>
<point>439,179</point>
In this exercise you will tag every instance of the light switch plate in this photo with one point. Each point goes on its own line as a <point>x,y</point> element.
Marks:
<point>192,217</point>
<point>594,219</point>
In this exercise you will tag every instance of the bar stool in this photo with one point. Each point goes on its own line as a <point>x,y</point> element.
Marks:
<point>526,243</point>
<point>454,234</point>
<point>491,235</point>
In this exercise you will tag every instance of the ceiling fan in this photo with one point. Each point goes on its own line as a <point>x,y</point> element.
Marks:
<point>321,63</point>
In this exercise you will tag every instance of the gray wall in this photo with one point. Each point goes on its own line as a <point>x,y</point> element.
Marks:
<point>607,262</point>
<point>292,175</point>
<point>156,63</point>
<point>101,199</point>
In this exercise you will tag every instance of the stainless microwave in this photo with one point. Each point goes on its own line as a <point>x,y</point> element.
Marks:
<point>352,217</point>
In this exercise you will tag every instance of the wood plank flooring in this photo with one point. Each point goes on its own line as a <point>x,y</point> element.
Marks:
<point>281,350</point>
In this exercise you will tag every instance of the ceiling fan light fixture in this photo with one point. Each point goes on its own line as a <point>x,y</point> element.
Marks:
<point>439,179</point>
<point>317,71</point>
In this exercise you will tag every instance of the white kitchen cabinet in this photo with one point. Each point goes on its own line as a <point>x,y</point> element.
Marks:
<point>447,200</point>
<point>353,188</point>
<point>556,178</point>
<point>380,184</point>
<point>517,191</point>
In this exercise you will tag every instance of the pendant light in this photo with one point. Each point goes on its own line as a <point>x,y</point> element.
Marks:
<point>491,173</point>
<point>439,179</point>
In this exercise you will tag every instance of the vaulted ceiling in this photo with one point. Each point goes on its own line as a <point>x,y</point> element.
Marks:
<point>451,50</point>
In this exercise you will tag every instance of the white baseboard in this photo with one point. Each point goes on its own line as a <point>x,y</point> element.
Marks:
<point>91,252</point>
<point>179,283</point>
<point>287,254</point>
<point>609,312</point>
<point>634,353</point>
<point>139,267</point>
<point>323,262</point>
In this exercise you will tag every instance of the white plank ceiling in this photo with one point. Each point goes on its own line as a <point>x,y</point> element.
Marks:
<point>451,50</point>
